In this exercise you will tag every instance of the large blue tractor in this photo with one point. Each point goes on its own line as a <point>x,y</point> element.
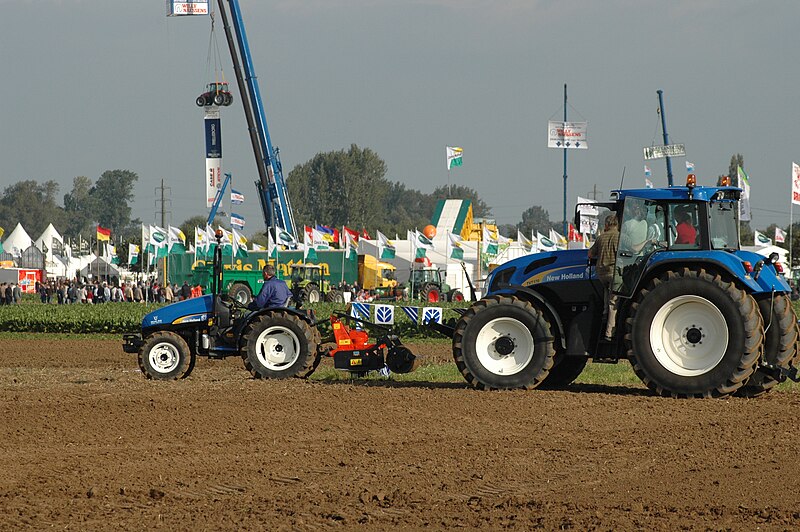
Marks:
<point>274,342</point>
<point>697,318</point>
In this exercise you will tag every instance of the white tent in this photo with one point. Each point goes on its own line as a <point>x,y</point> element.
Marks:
<point>45,243</point>
<point>18,241</point>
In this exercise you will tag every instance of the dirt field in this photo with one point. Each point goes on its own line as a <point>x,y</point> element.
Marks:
<point>87,443</point>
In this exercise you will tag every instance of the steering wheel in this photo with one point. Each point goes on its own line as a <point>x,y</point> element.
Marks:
<point>231,302</point>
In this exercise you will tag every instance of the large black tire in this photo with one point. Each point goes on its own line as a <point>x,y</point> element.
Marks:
<point>200,101</point>
<point>780,342</point>
<point>564,372</point>
<point>219,98</point>
<point>310,294</point>
<point>503,342</point>
<point>431,293</point>
<point>693,334</point>
<point>334,296</point>
<point>165,356</point>
<point>228,98</point>
<point>279,345</point>
<point>241,293</point>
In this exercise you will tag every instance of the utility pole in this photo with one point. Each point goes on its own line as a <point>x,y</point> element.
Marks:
<point>594,192</point>
<point>163,201</point>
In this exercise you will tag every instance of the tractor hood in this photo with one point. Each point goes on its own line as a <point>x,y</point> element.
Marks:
<point>188,311</point>
<point>539,268</point>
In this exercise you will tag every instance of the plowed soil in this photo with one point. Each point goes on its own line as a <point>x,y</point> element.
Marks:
<point>87,443</point>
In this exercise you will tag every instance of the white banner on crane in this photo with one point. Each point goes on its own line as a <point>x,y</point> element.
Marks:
<point>569,135</point>
<point>176,8</point>
<point>213,177</point>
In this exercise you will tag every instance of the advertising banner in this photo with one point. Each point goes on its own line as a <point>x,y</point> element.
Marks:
<point>570,135</point>
<point>213,134</point>
<point>176,8</point>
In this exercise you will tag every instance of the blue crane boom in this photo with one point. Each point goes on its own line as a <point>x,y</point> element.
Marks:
<point>273,194</point>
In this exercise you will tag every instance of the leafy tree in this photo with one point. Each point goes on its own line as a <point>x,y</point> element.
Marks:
<point>508,230</point>
<point>535,219</point>
<point>746,234</point>
<point>188,226</point>
<point>31,204</point>
<point>80,208</point>
<point>340,188</point>
<point>113,193</point>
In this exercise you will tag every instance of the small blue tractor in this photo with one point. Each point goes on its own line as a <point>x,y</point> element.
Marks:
<point>696,317</point>
<point>274,343</point>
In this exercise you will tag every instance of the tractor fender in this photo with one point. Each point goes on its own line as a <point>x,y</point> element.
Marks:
<point>730,264</point>
<point>545,306</point>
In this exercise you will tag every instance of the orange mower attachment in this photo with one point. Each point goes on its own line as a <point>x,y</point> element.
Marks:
<point>354,352</point>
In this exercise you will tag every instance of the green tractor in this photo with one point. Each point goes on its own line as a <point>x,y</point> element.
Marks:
<point>428,284</point>
<point>309,285</point>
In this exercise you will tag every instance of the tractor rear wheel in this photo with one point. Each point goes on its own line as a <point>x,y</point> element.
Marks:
<point>241,293</point>
<point>279,345</point>
<point>431,293</point>
<point>503,342</point>
<point>165,355</point>
<point>219,99</point>
<point>780,342</point>
<point>693,334</point>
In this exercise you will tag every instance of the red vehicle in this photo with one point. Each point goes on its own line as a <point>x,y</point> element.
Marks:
<point>216,94</point>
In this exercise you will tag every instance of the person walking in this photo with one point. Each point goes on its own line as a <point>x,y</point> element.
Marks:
<point>604,250</point>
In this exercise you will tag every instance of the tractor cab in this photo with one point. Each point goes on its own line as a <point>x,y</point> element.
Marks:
<point>309,284</point>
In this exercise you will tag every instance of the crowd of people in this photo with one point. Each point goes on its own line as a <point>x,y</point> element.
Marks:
<point>10,293</point>
<point>67,292</point>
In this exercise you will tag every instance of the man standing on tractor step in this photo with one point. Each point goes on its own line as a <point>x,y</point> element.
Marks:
<point>274,292</point>
<point>605,251</point>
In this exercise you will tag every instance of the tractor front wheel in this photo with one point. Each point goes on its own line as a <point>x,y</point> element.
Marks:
<point>455,296</point>
<point>334,296</point>
<point>165,355</point>
<point>503,342</point>
<point>279,345</point>
<point>693,334</point>
<point>310,294</point>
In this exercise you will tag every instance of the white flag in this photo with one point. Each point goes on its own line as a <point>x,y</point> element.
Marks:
<point>796,183</point>
<point>525,242</point>
<point>760,239</point>
<point>780,235</point>
<point>454,156</point>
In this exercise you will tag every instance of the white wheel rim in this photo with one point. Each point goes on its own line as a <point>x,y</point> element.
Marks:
<point>313,297</point>
<point>514,351</point>
<point>164,357</point>
<point>689,336</point>
<point>277,348</point>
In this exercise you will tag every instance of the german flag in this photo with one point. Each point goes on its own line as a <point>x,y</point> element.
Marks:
<point>103,233</point>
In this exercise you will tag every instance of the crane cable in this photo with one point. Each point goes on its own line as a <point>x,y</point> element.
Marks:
<point>214,56</point>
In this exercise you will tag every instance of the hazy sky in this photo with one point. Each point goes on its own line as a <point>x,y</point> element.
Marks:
<point>94,85</point>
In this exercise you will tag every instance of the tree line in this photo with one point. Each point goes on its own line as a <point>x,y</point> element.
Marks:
<point>345,187</point>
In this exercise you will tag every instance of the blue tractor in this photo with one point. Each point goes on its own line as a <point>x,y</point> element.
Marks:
<point>273,343</point>
<point>696,317</point>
